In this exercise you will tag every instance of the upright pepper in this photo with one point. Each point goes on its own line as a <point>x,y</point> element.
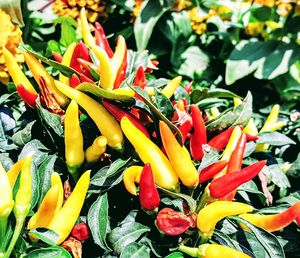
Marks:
<point>131,176</point>
<point>73,140</point>
<point>101,40</point>
<point>105,122</point>
<point>181,162</point>
<point>56,180</point>
<point>85,29</point>
<point>148,194</point>
<point>212,251</point>
<point>81,52</point>
<point>164,174</point>
<point>198,136</point>
<point>274,222</point>
<point>119,62</point>
<point>14,171</point>
<point>67,216</point>
<point>210,171</point>
<point>171,87</point>
<point>233,140</point>
<point>140,78</point>
<point>221,140</point>
<point>211,214</point>
<point>98,147</point>
<point>66,60</point>
<point>225,184</point>
<point>24,88</point>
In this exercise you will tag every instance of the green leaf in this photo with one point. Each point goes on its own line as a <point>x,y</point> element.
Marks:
<point>98,221</point>
<point>40,151</point>
<point>68,34</point>
<point>266,239</point>
<point>274,138</point>
<point>35,184</point>
<point>251,187</point>
<point>49,252</point>
<point>164,104</point>
<point>149,15</point>
<point>103,93</point>
<point>47,236</point>
<point>203,93</point>
<point>135,250</point>
<point>275,174</point>
<point>240,115</point>
<point>23,136</point>
<point>294,170</point>
<point>125,234</point>
<point>175,255</point>
<point>136,59</point>
<point>209,158</point>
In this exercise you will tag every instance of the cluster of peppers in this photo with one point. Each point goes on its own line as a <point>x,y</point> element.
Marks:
<point>167,164</point>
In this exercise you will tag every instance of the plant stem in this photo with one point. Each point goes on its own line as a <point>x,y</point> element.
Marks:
<point>3,227</point>
<point>191,251</point>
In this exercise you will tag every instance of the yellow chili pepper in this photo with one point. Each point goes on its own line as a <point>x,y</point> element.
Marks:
<point>73,140</point>
<point>118,57</point>
<point>87,37</point>
<point>106,72</point>
<point>212,251</point>
<point>15,71</point>
<point>234,138</point>
<point>211,214</point>
<point>129,92</point>
<point>131,176</point>
<point>56,180</point>
<point>66,218</point>
<point>14,171</point>
<point>41,76</point>
<point>171,87</point>
<point>105,122</point>
<point>94,152</point>
<point>163,172</point>
<point>66,61</point>
<point>181,162</point>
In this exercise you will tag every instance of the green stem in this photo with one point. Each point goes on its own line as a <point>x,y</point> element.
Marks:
<point>203,200</point>
<point>3,227</point>
<point>191,251</point>
<point>17,232</point>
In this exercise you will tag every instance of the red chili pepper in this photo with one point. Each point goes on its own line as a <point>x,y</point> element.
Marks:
<point>185,128</point>
<point>148,194</point>
<point>101,40</point>
<point>121,74</point>
<point>140,78</point>
<point>155,63</point>
<point>251,138</point>
<point>223,185</point>
<point>236,158</point>
<point>173,222</point>
<point>188,87</point>
<point>198,136</point>
<point>74,80</point>
<point>58,57</point>
<point>80,51</point>
<point>210,171</point>
<point>28,97</point>
<point>84,78</point>
<point>81,231</point>
<point>221,140</point>
<point>119,113</point>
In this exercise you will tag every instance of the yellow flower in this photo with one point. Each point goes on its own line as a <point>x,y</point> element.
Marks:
<point>254,28</point>
<point>10,37</point>
<point>136,8</point>
<point>95,8</point>
<point>198,19</point>
<point>268,3</point>
<point>181,5</point>
<point>283,9</point>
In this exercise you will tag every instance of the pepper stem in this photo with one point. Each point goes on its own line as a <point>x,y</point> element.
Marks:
<point>203,200</point>
<point>16,234</point>
<point>3,227</point>
<point>191,251</point>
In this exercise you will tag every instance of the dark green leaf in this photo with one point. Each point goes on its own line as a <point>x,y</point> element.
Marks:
<point>274,138</point>
<point>209,158</point>
<point>49,252</point>
<point>48,236</point>
<point>135,250</point>
<point>98,221</point>
<point>294,170</point>
<point>276,175</point>
<point>175,255</point>
<point>35,184</point>
<point>203,93</point>
<point>164,104</point>
<point>23,136</point>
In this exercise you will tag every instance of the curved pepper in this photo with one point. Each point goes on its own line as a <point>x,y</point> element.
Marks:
<point>14,172</point>
<point>105,122</point>
<point>98,147</point>
<point>101,39</point>
<point>67,216</point>
<point>58,57</point>
<point>56,180</point>
<point>198,136</point>
<point>212,251</point>
<point>181,162</point>
<point>274,222</point>
<point>81,52</point>
<point>38,71</point>
<point>131,176</point>
<point>225,184</point>
<point>148,194</point>
<point>119,62</point>
<point>164,174</point>
<point>66,60</point>
<point>231,145</point>
<point>85,29</point>
<point>221,140</point>
<point>171,87</point>
<point>119,113</point>
<point>140,78</point>
<point>211,214</point>
<point>210,171</point>
<point>73,140</point>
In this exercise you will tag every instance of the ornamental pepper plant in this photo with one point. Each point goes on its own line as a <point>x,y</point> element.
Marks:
<point>105,152</point>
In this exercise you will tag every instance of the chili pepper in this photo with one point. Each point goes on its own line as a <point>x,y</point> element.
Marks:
<point>38,71</point>
<point>85,30</point>
<point>94,152</point>
<point>119,113</point>
<point>66,60</point>
<point>24,88</point>
<point>180,105</point>
<point>198,136</point>
<point>223,185</point>
<point>215,112</point>
<point>211,214</point>
<point>181,162</point>
<point>212,251</point>
<point>81,51</point>
<point>14,171</point>
<point>81,231</point>
<point>67,216</point>
<point>221,140</point>
<point>251,128</point>
<point>231,145</point>
<point>250,137</point>
<point>87,65</point>
<point>236,158</point>
<point>105,122</point>
<point>106,72</point>
<point>74,80</point>
<point>56,181</point>
<point>164,174</point>
<point>171,87</point>
<point>148,194</point>
<point>210,171</point>
<point>131,176</point>
<point>58,57</point>
<point>101,40</point>
<point>185,128</point>
<point>73,140</point>
<point>154,64</point>
<point>128,91</point>
<point>274,222</point>
<point>46,210</point>
<point>22,203</point>
<point>188,87</point>
<point>140,78</point>
<point>172,222</point>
